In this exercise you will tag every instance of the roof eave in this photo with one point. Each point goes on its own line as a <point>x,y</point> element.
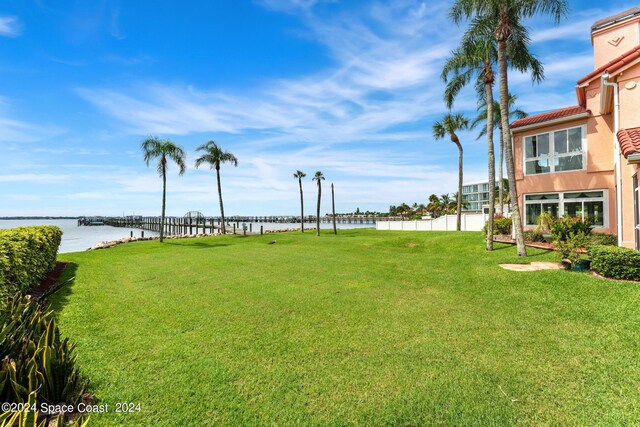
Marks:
<point>551,122</point>
<point>633,158</point>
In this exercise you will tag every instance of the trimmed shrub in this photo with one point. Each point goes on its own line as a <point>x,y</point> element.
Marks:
<point>27,255</point>
<point>501,225</point>
<point>603,239</point>
<point>615,262</point>
<point>533,236</point>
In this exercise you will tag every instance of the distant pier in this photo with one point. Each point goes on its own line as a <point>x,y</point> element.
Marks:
<point>209,225</point>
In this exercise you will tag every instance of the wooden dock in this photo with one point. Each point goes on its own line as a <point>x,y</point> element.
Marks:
<point>210,225</point>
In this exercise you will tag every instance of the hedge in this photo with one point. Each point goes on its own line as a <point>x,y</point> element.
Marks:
<point>501,226</point>
<point>27,255</point>
<point>615,262</point>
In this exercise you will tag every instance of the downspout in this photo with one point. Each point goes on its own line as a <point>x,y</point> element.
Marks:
<point>524,213</point>
<point>604,81</point>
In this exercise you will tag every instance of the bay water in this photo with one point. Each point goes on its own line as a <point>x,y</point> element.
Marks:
<point>79,238</point>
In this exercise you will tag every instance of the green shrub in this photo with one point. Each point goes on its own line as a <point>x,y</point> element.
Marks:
<point>615,262</point>
<point>533,236</point>
<point>35,359</point>
<point>501,225</point>
<point>573,248</point>
<point>27,255</point>
<point>563,228</point>
<point>603,239</point>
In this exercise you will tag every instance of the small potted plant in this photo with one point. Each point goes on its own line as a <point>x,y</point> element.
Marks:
<point>573,251</point>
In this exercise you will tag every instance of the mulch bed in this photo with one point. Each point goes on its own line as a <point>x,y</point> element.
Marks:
<point>49,281</point>
<point>538,245</point>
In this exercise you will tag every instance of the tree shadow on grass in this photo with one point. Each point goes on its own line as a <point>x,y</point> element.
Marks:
<point>198,245</point>
<point>60,297</point>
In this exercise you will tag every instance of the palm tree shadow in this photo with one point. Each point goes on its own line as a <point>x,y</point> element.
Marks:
<point>199,245</point>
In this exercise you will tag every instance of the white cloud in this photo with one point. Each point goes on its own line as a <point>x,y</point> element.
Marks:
<point>10,26</point>
<point>364,121</point>
<point>34,178</point>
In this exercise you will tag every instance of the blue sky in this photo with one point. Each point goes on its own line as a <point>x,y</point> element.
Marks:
<point>350,88</point>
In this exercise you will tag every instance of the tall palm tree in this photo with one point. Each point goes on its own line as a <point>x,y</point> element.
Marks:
<point>214,156</point>
<point>299,174</point>
<point>483,113</point>
<point>163,150</point>
<point>450,125</point>
<point>318,177</point>
<point>476,58</point>
<point>505,19</point>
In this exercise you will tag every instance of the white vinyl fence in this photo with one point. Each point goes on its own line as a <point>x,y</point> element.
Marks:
<point>470,222</point>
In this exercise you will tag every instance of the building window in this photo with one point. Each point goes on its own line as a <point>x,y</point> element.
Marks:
<point>559,151</point>
<point>587,204</point>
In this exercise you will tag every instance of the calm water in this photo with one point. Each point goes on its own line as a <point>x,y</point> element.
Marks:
<point>77,239</point>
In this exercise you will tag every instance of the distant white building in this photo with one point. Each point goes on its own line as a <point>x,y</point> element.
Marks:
<point>476,194</point>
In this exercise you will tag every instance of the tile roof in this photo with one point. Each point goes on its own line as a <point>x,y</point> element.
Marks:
<point>549,115</point>
<point>629,13</point>
<point>614,64</point>
<point>629,141</point>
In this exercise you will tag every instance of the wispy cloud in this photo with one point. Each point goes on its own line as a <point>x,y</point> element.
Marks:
<point>365,120</point>
<point>10,26</point>
<point>384,78</point>
<point>18,131</point>
<point>34,177</point>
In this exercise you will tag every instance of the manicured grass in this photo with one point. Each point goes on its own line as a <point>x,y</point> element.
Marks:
<point>363,328</point>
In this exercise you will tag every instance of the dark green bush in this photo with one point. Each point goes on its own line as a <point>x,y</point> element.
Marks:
<point>27,255</point>
<point>501,225</point>
<point>615,262</point>
<point>533,236</point>
<point>603,239</point>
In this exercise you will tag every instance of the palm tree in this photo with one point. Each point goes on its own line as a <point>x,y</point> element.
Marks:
<point>514,113</point>
<point>299,174</point>
<point>465,204</point>
<point>163,150</point>
<point>318,177</point>
<point>475,58</point>
<point>214,156</point>
<point>333,209</point>
<point>434,207</point>
<point>403,209</point>
<point>449,125</point>
<point>504,18</point>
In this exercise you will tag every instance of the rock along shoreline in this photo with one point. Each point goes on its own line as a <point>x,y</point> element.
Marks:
<point>112,243</point>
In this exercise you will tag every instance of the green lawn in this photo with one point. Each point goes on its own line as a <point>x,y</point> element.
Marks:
<point>363,328</point>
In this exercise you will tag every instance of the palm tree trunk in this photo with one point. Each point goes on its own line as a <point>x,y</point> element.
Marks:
<point>333,209</point>
<point>501,175</point>
<point>508,151</point>
<point>459,208</point>
<point>459,205</point>
<point>164,198</point>
<point>301,206</point>
<point>224,224</point>
<point>491,163</point>
<point>318,209</point>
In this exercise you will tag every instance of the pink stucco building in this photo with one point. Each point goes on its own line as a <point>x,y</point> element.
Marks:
<point>583,160</point>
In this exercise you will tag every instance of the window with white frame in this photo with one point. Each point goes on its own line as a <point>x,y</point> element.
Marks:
<point>587,204</point>
<point>558,151</point>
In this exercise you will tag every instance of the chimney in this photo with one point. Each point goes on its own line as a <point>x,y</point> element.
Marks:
<point>615,35</point>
